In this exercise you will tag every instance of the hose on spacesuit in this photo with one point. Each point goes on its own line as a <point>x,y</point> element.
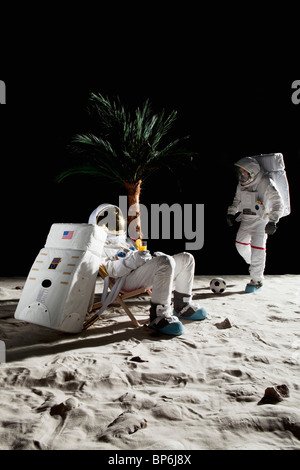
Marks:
<point>106,298</point>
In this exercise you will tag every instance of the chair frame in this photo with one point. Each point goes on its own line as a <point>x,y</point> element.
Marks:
<point>120,298</point>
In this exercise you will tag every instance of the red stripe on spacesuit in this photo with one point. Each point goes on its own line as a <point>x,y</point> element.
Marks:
<point>252,246</point>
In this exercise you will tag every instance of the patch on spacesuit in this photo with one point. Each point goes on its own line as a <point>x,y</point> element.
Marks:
<point>54,263</point>
<point>68,234</point>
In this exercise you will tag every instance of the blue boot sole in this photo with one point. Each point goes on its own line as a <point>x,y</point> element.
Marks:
<point>252,289</point>
<point>174,329</point>
<point>199,315</point>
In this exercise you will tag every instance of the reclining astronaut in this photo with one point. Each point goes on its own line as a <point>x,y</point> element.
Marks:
<point>141,270</point>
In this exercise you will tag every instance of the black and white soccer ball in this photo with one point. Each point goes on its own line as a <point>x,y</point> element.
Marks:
<point>217,285</point>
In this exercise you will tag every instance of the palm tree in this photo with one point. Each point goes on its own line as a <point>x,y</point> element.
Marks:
<point>128,147</point>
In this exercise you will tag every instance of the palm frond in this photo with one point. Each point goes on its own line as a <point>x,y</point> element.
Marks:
<point>128,146</point>
<point>87,169</point>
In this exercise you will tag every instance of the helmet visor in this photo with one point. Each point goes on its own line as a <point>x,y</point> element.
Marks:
<point>242,175</point>
<point>112,220</point>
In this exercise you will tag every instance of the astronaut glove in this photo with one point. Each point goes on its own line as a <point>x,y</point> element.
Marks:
<point>271,228</point>
<point>230,220</point>
<point>137,259</point>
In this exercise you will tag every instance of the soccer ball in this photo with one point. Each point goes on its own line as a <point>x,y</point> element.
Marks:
<point>217,285</point>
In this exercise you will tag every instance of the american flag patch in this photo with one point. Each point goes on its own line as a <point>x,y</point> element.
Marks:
<point>67,235</point>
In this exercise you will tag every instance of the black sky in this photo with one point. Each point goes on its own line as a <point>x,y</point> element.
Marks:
<point>228,115</point>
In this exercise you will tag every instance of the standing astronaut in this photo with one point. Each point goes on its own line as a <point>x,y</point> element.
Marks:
<point>138,269</point>
<point>260,205</point>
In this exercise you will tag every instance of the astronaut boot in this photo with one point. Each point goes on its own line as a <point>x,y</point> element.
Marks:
<point>185,309</point>
<point>162,320</point>
<point>253,286</point>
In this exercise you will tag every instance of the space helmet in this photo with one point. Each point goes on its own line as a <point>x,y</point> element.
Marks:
<point>247,170</point>
<point>111,219</point>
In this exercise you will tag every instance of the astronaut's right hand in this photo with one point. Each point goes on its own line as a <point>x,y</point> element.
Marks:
<point>137,259</point>
<point>230,220</point>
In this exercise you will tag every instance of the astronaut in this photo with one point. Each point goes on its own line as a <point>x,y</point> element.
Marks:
<point>141,270</point>
<point>260,206</point>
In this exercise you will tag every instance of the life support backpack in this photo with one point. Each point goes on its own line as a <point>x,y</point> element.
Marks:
<point>274,167</point>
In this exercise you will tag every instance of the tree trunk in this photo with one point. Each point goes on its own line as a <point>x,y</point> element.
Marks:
<point>134,219</point>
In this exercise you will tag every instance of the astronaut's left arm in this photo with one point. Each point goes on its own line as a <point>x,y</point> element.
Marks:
<point>275,203</point>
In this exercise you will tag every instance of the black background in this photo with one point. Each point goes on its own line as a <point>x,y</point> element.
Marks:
<point>229,112</point>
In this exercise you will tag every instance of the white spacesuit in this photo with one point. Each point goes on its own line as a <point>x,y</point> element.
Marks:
<point>260,205</point>
<point>138,269</point>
